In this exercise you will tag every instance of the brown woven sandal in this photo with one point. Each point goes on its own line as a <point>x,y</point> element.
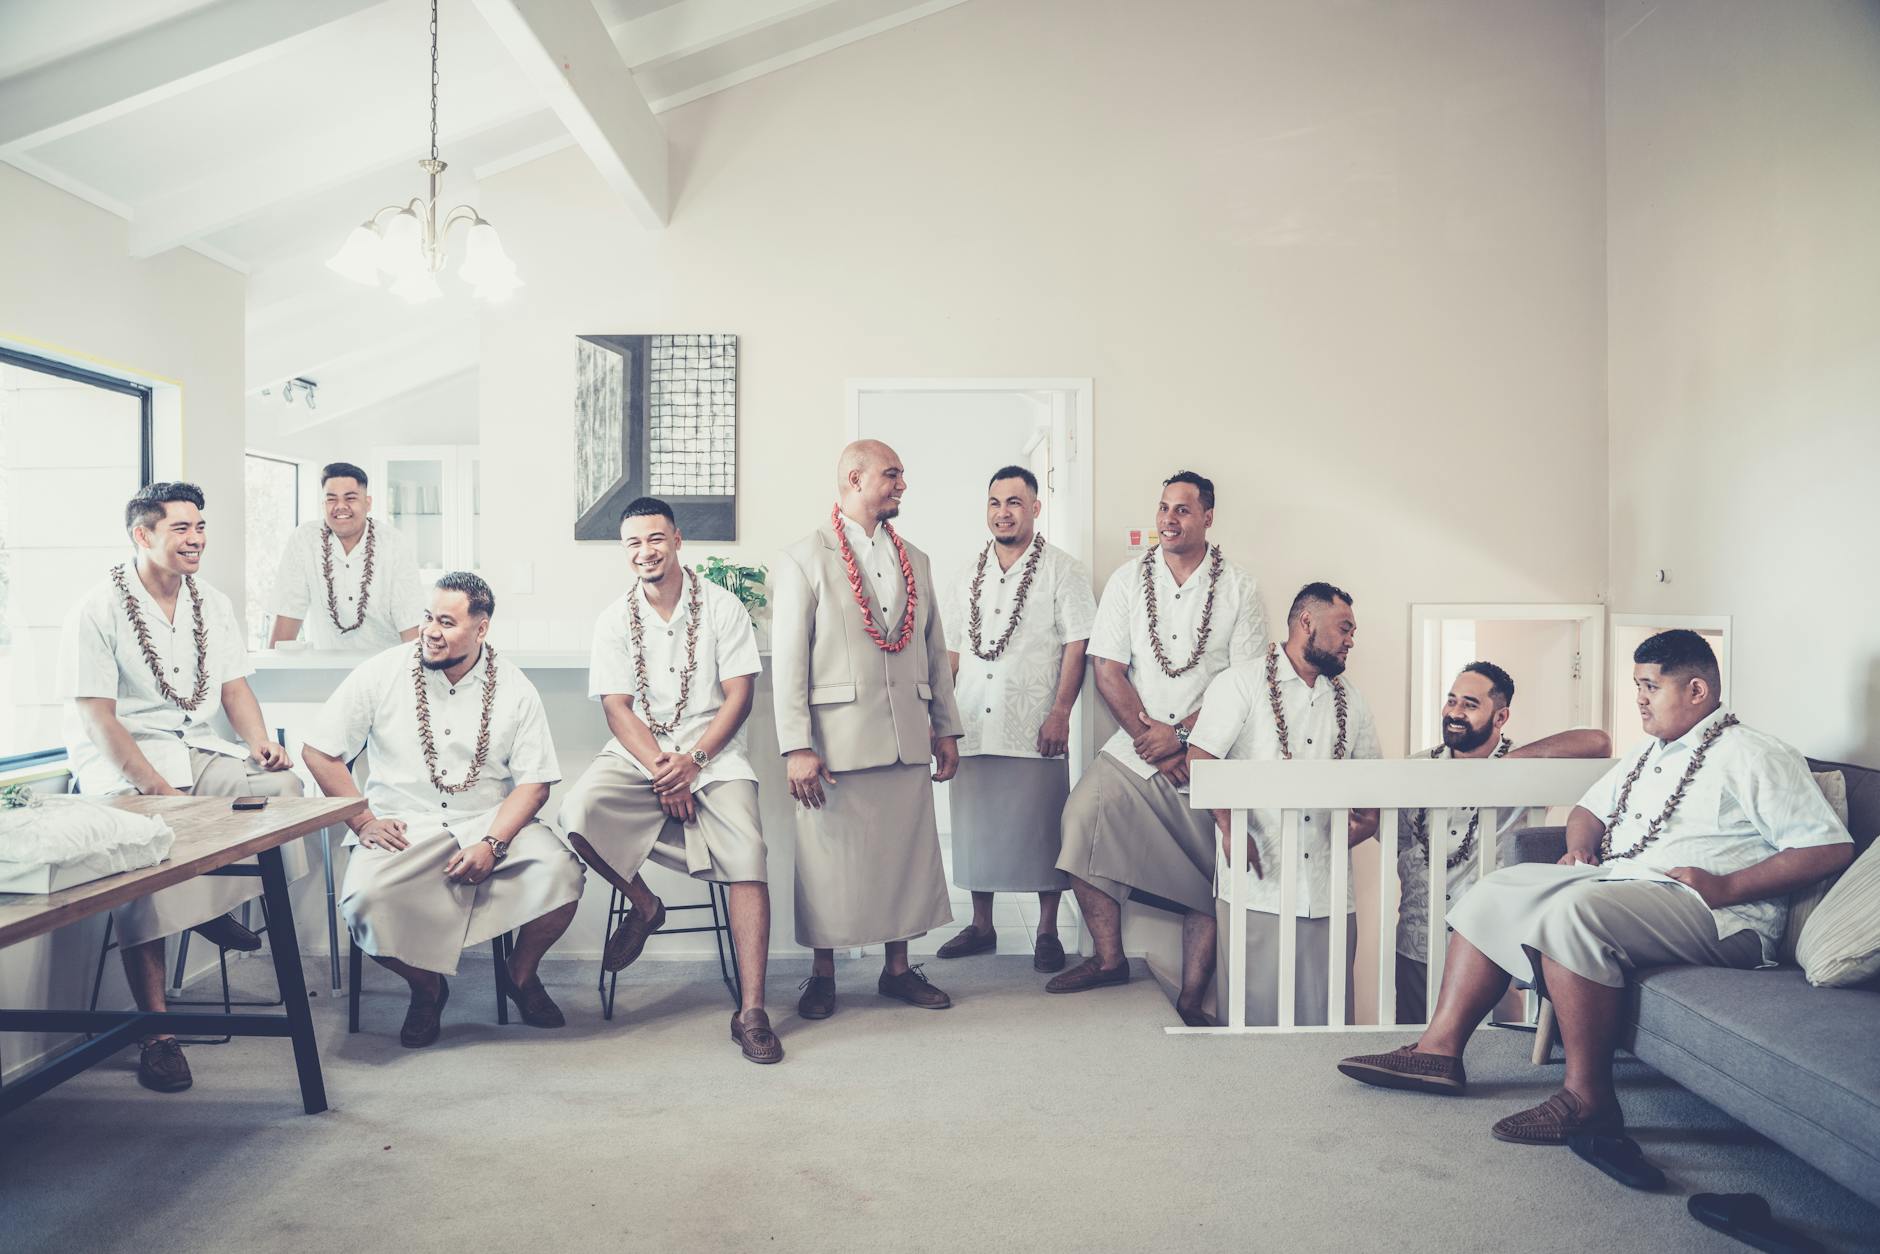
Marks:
<point>1556,1119</point>
<point>1407,1069</point>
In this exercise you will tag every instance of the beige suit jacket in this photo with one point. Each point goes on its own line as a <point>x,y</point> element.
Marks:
<point>855,704</point>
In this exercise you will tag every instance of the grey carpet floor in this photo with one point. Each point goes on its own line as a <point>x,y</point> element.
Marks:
<point>1013,1122</point>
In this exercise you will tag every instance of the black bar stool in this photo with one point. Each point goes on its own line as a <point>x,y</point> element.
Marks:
<point>718,901</point>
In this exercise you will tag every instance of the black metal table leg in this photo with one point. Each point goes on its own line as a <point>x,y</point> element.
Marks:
<point>292,981</point>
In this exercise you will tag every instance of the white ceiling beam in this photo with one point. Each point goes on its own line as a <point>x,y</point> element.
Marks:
<point>563,49</point>
<point>680,30</point>
<point>281,175</point>
<point>162,60</point>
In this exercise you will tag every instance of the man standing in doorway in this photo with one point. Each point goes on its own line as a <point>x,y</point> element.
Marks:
<point>146,660</point>
<point>864,702</point>
<point>1017,623</point>
<point>1168,623</point>
<point>1478,707</point>
<point>352,583</point>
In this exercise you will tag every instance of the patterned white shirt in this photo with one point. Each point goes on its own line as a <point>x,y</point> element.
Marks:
<point>1237,722</point>
<point>1004,702</point>
<point>1753,798</point>
<point>1446,830</point>
<point>726,649</point>
<point>1237,635</point>
<point>394,603</point>
<point>376,709</point>
<point>99,657</point>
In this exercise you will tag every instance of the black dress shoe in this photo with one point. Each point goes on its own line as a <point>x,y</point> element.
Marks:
<point>1048,954</point>
<point>424,1019</point>
<point>819,997</point>
<point>913,988</point>
<point>162,1068</point>
<point>970,941</point>
<point>537,1008</point>
<point>228,932</point>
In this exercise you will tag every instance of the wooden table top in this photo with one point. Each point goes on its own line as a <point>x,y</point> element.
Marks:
<point>208,835</point>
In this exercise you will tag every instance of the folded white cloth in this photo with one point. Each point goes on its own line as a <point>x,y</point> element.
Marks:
<point>75,840</point>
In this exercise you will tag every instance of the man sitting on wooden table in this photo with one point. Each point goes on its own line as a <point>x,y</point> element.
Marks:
<point>147,659</point>
<point>447,852</point>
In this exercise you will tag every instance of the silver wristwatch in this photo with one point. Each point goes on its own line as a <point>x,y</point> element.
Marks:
<point>700,758</point>
<point>498,847</point>
<point>1181,734</point>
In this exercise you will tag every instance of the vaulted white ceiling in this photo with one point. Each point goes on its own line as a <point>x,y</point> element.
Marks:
<point>258,132</point>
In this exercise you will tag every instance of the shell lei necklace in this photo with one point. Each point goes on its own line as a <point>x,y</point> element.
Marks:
<point>1215,561</point>
<point>906,632</point>
<point>429,745</point>
<point>365,578</point>
<point>1279,712</point>
<point>1018,603</point>
<point>638,633</point>
<point>142,631</point>
<point>1419,819</point>
<point>1653,828</point>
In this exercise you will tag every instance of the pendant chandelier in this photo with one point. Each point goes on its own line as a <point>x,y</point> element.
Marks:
<point>406,242</point>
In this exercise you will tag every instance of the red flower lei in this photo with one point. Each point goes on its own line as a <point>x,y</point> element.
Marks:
<point>861,598</point>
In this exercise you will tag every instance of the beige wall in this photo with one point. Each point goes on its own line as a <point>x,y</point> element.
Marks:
<point>1346,259</point>
<point>69,285</point>
<point>1744,272</point>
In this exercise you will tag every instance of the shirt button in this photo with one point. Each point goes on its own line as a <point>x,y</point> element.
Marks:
<point>1308,819</point>
<point>453,692</point>
<point>1308,740</point>
<point>175,669</point>
<point>447,731</point>
<point>988,709</point>
<point>1178,596</point>
<point>445,804</point>
<point>1635,816</point>
<point>1658,770</point>
<point>1308,855</point>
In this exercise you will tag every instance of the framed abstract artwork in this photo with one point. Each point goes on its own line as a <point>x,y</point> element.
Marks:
<point>656,415</point>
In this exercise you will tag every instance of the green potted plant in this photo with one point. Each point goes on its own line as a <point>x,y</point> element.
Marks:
<point>747,584</point>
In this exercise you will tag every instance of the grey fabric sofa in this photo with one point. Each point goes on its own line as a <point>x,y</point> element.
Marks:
<point>1799,1064</point>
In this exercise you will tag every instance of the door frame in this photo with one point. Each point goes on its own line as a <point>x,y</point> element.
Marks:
<point>1426,649</point>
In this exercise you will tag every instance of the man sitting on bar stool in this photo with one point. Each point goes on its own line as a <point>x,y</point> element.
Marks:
<point>1684,852</point>
<point>1477,708</point>
<point>674,667</point>
<point>448,852</point>
<point>147,658</point>
<point>1293,703</point>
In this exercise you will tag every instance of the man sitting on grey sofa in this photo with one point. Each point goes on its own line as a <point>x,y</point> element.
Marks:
<point>1704,834</point>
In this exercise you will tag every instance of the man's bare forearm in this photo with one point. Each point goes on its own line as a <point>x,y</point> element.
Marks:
<point>335,781</point>
<point>1584,828</point>
<point>1363,825</point>
<point>630,730</point>
<point>1070,676</point>
<point>1580,742</point>
<point>739,696</point>
<point>244,713</point>
<point>119,747</point>
<point>1783,873</point>
<point>286,628</point>
<point>517,810</point>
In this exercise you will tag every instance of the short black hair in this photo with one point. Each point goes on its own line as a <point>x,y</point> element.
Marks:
<point>147,508</point>
<point>647,507</point>
<point>342,470</point>
<point>1201,483</point>
<point>482,600</point>
<point>1316,593</point>
<point>1015,472</point>
<point>1680,652</point>
<point>1500,683</point>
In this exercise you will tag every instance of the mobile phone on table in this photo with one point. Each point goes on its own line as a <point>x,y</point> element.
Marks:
<point>249,803</point>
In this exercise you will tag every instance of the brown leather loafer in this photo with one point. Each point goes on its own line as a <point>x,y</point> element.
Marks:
<point>1556,1119</point>
<point>162,1068</point>
<point>1087,975</point>
<point>751,1030</point>
<point>424,1018</point>
<point>970,941</point>
<point>227,931</point>
<point>1048,954</point>
<point>913,988</point>
<point>630,938</point>
<point>1407,1069</point>
<point>533,1003</point>
<point>819,997</point>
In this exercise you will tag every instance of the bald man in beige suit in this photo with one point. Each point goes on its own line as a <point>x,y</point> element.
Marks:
<point>864,703</point>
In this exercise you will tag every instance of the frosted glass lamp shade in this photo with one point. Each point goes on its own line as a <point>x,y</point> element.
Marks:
<point>401,251</point>
<point>486,265</point>
<point>358,258</point>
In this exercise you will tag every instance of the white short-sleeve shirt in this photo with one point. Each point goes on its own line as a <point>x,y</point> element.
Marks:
<point>1004,702</point>
<point>394,600</point>
<point>1753,798</point>
<point>376,709</point>
<point>99,657</point>
<point>1237,722</point>
<point>726,649</point>
<point>1447,830</point>
<point>1237,634</point>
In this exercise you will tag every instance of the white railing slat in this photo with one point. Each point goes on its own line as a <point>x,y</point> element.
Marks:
<point>1339,831</point>
<point>1387,900</point>
<point>1288,913</point>
<point>1234,1014</point>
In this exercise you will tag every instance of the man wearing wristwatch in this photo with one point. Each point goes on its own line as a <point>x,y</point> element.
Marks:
<point>675,669</point>
<point>448,852</point>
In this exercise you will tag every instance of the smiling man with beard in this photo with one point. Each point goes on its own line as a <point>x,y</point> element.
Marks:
<point>448,852</point>
<point>674,667</point>
<point>1294,703</point>
<point>1478,707</point>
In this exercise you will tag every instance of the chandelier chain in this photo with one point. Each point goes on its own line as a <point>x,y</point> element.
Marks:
<point>434,80</point>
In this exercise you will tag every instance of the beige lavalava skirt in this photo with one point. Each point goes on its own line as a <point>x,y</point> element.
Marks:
<point>868,866</point>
